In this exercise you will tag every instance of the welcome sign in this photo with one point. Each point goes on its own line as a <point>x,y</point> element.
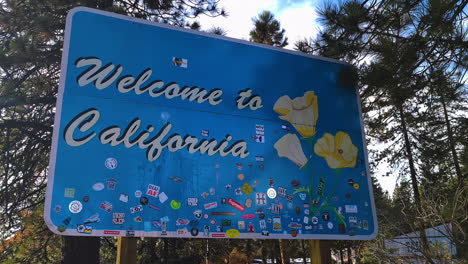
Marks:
<point>167,132</point>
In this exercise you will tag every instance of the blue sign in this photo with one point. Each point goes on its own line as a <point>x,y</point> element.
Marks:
<point>163,131</point>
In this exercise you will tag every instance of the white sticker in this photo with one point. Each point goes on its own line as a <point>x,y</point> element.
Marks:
<point>163,197</point>
<point>271,193</point>
<point>123,198</point>
<point>351,208</point>
<point>75,206</point>
<point>330,225</point>
<point>180,62</point>
<point>111,163</point>
<point>138,194</point>
<point>98,186</point>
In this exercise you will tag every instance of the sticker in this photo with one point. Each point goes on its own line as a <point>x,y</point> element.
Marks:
<point>239,166</point>
<point>223,200</point>
<point>271,193</point>
<point>271,182</point>
<point>365,224</point>
<point>306,205</point>
<point>69,192</point>
<point>57,208</point>
<point>251,228</point>
<point>315,220</point>
<point>205,133</point>
<point>294,233</point>
<point>222,213</point>
<point>302,196</point>
<point>351,209</point>
<point>261,215</point>
<point>356,186</point>
<point>138,193</point>
<point>86,199</point>
<point>325,216</point>
<point>163,197</point>
<point>180,62</point>
<point>163,228</point>
<point>197,214</point>
<point>144,200</point>
<point>241,176</point>
<point>213,221</point>
<point>212,191</point>
<point>123,198</point>
<point>295,183</point>
<point>205,194</point>
<point>247,189</point>
<point>106,206</point>
<point>111,163</point>
<point>175,204</point>
<point>330,225</point>
<point>241,225</point>
<point>234,204</point>
<point>295,225</point>
<point>176,179</point>
<point>118,218</point>
<point>306,211</point>
<point>154,207</point>
<point>275,208</point>
<point>226,222</point>
<point>130,233</point>
<point>308,227</point>
<point>61,228</point>
<point>232,233</point>
<point>306,220</point>
<point>136,209</point>
<point>192,201</point>
<point>98,186</point>
<point>181,221</point>
<point>238,191</point>
<point>261,166</point>
<point>289,198</point>
<point>67,221</point>
<point>259,158</point>
<point>194,231</point>
<point>92,219</point>
<point>84,229</point>
<point>75,206</point>
<point>298,210</point>
<point>265,233</point>
<point>256,183</point>
<point>111,183</point>
<point>281,191</point>
<point>262,224</point>
<point>206,230</point>
<point>228,186</point>
<point>218,235</point>
<point>277,224</point>
<point>210,205</point>
<point>156,223</point>
<point>248,216</point>
<point>153,190</point>
<point>260,199</point>
<point>348,195</point>
<point>248,203</point>
<point>111,232</point>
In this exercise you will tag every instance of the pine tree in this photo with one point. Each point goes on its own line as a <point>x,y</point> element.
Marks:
<point>268,30</point>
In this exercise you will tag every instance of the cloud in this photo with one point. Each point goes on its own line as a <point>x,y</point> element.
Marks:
<point>299,20</point>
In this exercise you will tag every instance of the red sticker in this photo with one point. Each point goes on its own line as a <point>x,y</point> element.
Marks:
<point>236,205</point>
<point>111,232</point>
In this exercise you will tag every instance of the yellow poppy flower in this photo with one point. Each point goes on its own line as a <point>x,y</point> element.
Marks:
<point>289,147</point>
<point>338,151</point>
<point>302,112</point>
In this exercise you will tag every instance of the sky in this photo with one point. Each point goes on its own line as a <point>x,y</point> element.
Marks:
<point>298,18</point>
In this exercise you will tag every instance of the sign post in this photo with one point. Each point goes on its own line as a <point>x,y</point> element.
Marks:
<point>167,132</point>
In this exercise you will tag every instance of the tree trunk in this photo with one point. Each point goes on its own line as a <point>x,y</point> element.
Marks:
<point>264,252</point>
<point>341,257</point>
<point>284,257</point>
<point>349,256</point>
<point>414,184</point>
<point>304,252</point>
<point>79,250</point>
<point>451,141</point>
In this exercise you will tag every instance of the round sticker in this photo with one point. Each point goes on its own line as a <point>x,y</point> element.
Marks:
<point>232,233</point>
<point>99,186</point>
<point>175,204</point>
<point>75,206</point>
<point>271,193</point>
<point>315,220</point>
<point>194,231</point>
<point>330,225</point>
<point>111,163</point>
<point>356,186</point>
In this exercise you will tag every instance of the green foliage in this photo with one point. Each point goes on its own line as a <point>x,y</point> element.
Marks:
<point>268,30</point>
